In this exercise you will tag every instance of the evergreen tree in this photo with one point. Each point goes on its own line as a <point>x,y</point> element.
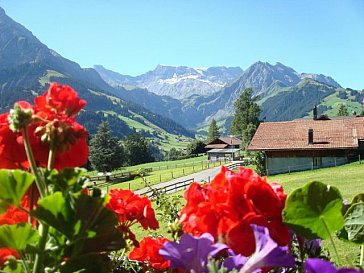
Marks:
<point>213,131</point>
<point>246,117</point>
<point>195,147</point>
<point>106,154</point>
<point>343,110</point>
<point>137,149</point>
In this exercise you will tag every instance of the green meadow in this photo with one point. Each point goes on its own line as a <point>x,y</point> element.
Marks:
<point>349,179</point>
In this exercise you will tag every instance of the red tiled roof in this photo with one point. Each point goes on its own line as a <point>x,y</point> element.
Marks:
<point>215,146</point>
<point>293,135</point>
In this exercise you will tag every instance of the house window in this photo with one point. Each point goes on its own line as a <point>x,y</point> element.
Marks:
<point>317,161</point>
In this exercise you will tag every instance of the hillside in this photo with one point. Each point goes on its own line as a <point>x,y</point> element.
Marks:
<point>27,67</point>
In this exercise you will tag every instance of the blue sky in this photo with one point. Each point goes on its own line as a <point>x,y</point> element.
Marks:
<point>134,36</point>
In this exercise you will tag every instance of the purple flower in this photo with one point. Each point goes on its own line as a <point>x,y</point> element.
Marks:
<point>267,253</point>
<point>315,265</point>
<point>234,262</point>
<point>191,253</point>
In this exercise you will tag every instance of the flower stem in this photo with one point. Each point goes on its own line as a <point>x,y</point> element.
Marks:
<point>37,268</point>
<point>33,165</point>
<point>331,240</point>
<point>361,255</point>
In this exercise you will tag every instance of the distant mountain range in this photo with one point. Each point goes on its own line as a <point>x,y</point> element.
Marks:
<point>168,99</point>
<point>269,82</point>
<point>175,81</point>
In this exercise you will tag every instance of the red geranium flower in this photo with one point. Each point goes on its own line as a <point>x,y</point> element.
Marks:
<point>131,208</point>
<point>53,121</point>
<point>148,252</point>
<point>5,253</point>
<point>228,205</point>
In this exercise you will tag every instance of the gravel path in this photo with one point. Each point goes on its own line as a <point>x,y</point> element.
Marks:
<point>205,175</point>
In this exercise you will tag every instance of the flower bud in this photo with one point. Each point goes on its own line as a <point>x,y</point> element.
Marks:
<point>20,117</point>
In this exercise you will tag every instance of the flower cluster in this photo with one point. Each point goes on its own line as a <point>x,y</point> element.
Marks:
<point>228,206</point>
<point>148,253</point>
<point>192,253</point>
<point>50,124</point>
<point>131,208</point>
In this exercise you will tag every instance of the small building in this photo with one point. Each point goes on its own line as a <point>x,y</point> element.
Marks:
<point>307,144</point>
<point>223,148</point>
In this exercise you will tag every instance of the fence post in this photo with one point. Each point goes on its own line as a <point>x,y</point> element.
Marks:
<point>359,159</point>
<point>289,170</point>
<point>183,170</point>
<point>335,161</point>
<point>312,166</point>
<point>129,185</point>
<point>209,179</point>
<point>160,178</point>
<point>172,174</point>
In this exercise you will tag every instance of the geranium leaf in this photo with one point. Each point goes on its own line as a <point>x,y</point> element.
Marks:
<point>353,230</point>
<point>68,177</point>
<point>17,236</point>
<point>13,186</point>
<point>88,263</point>
<point>314,210</point>
<point>56,212</point>
<point>97,230</point>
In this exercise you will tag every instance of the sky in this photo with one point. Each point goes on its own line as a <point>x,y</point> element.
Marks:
<point>134,36</point>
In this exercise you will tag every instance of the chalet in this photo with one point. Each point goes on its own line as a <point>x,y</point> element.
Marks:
<point>223,148</point>
<point>307,144</point>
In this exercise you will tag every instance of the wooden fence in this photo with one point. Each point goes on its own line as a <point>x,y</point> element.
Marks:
<point>180,185</point>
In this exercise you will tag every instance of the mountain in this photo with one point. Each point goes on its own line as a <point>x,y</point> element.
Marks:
<point>265,79</point>
<point>27,67</point>
<point>175,81</point>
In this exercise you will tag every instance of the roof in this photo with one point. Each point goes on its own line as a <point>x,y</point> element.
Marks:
<point>222,151</point>
<point>341,133</point>
<point>215,146</point>
<point>231,140</point>
<point>227,140</point>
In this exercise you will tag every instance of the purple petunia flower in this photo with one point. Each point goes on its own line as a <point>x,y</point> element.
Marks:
<point>192,253</point>
<point>267,253</point>
<point>315,265</point>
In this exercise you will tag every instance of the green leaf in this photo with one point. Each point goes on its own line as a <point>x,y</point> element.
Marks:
<point>89,263</point>
<point>314,210</point>
<point>18,236</point>
<point>56,212</point>
<point>98,232</point>
<point>67,178</point>
<point>353,230</point>
<point>13,186</point>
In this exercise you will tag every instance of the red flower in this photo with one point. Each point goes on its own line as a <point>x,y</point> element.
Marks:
<point>14,215</point>
<point>53,121</point>
<point>59,101</point>
<point>131,208</point>
<point>228,205</point>
<point>148,252</point>
<point>5,253</point>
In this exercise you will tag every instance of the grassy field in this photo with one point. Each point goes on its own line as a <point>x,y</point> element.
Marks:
<point>162,171</point>
<point>348,179</point>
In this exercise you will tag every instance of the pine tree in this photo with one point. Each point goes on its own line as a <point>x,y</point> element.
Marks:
<point>106,154</point>
<point>246,117</point>
<point>213,131</point>
<point>137,149</point>
<point>343,110</point>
